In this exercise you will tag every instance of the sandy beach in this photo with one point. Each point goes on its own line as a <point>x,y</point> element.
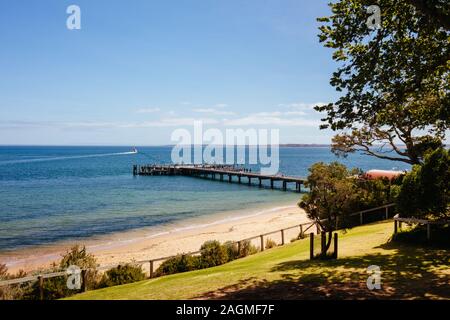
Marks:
<point>156,242</point>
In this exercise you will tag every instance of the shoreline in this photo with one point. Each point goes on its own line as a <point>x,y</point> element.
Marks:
<point>165,240</point>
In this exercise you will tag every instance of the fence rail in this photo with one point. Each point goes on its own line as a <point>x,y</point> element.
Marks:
<point>302,228</point>
<point>398,223</point>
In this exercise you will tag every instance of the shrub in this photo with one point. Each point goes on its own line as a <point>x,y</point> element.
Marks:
<point>79,257</point>
<point>270,243</point>
<point>232,250</point>
<point>177,264</point>
<point>417,235</point>
<point>247,248</point>
<point>425,190</point>
<point>213,254</point>
<point>122,274</point>
<point>56,288</point>
<point>13,292</point>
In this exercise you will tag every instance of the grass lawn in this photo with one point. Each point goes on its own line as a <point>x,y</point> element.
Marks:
<point>408,272</point>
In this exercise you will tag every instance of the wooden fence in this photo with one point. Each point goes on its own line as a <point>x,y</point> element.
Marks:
<point>398,224</point>
<point>302,229</point>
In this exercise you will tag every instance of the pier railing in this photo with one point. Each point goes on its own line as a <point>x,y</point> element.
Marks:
<point>302,229</point>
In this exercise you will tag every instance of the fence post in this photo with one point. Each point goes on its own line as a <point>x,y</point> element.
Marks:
<point>262,242</point>
<point>83,278</point>
<point>151,268</point>
<point>239,248</point>
<point>317,228</point>
<point>301,231</point>
<point>335,245</point>
<point>387,213</point>
<point>322,242</point>
<point>311,246</point>
<point>395,226</point>
<point>41,287</point>
<point>361,218</point>
<point>282,236</point>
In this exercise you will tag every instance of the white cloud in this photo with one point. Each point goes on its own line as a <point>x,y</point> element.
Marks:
<point>148,110</point>
<point>213,111</point>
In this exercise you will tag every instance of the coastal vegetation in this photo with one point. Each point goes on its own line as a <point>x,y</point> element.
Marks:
<point>285,272</point>
<point>394,77</point>
<point>122,274</point>
<point>212,253</point>
<point>56,287</point>
<point>335,192</point>
<point>425,190</point>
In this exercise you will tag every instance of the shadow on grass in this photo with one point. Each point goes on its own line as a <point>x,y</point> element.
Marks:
<point>407,273</point>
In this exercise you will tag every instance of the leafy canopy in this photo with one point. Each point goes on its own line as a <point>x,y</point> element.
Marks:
<point>395,80</point>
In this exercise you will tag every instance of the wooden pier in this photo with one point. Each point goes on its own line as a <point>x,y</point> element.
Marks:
<point>220,172</point>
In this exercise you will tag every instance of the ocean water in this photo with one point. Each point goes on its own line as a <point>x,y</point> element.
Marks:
<point>50,194</point>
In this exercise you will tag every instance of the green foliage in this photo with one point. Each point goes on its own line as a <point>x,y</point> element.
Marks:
<point>395,79</point>
<point>247,248</point>
<point>13,292</point>
<point>56,288</point>
<point>270,243</point>
<point>332,192</point>
<point>79,257</point>
<point>440,236</point>
<point>177,264</point>
<point>232,250</point>
<point>335,192</point>
<point>425,191</point>
<point>213,254</point>
<point>122,274</point>
<point>374,192</point>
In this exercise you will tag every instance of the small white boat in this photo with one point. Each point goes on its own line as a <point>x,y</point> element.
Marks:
<point>134,150</point>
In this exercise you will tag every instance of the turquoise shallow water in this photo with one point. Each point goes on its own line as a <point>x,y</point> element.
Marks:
<point>48,194</point>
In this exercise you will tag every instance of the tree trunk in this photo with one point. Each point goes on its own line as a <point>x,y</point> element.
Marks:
<point>327,244</point>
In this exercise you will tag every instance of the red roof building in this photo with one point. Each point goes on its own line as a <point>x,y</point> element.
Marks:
<point>377,174</point>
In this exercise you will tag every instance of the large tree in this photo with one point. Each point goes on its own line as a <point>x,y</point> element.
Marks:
<point>395,79</point>
<point>333,194</point>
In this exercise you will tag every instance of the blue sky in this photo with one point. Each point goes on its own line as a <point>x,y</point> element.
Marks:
<point>137,70</point>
